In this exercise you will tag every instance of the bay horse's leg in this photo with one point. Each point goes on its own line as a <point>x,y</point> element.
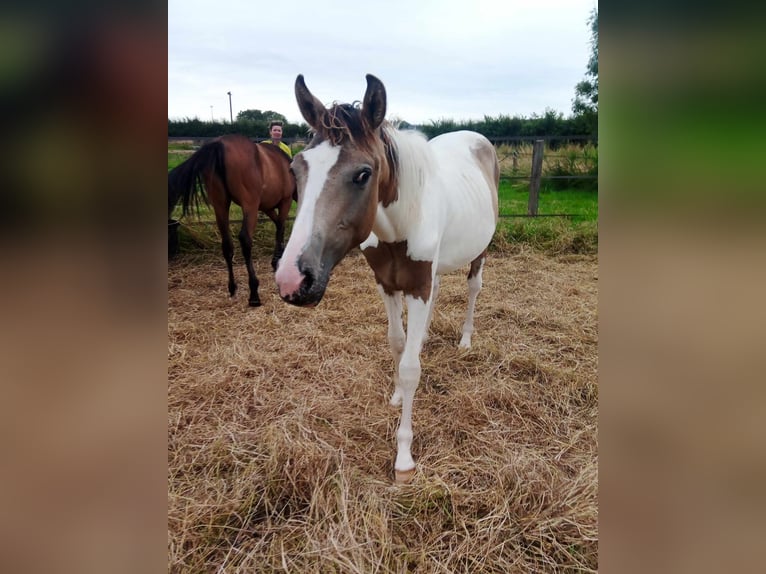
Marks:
<point>227,244</point>
<point>279,216</point>
<point>278,243</point>
<point>249,220</point>
<point>474,286</point>
<point>396,337</point>
<point>409,377</point>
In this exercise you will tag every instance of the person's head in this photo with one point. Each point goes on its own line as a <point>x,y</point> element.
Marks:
<point>275,131</point>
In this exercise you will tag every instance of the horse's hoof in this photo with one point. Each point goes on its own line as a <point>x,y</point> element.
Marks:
<point>404,476</point>
<point>255,302</point>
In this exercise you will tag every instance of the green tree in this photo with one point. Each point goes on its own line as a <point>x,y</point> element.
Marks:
<point>257,116</point>
<point>586,92</point>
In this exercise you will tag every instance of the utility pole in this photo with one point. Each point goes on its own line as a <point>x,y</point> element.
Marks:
<point>231,114</point>
<point>211,114</point>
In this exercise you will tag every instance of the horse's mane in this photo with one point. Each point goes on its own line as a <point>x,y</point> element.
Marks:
<point>341,122</point>
<point>407,153</point>
<point>414,162</point>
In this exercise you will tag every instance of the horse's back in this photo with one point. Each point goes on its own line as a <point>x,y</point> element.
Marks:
<point>256,174</point>
<point>277,181</point>
<point>466,149</point>
<point>464,193</point>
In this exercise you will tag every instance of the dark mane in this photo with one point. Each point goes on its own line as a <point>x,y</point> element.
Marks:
<point>392,157</point>
<point>342,122</point>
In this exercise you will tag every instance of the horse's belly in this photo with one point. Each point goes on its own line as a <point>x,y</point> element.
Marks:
<point>468,229</point>
<point>457,252</point>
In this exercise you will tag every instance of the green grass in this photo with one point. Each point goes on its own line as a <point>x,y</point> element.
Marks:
<point>514,200</point>
<point>577,233</point>
<point>176,159</point>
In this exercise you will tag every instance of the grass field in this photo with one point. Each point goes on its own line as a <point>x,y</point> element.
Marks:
<point>281,439</point>
<point>551,233</point>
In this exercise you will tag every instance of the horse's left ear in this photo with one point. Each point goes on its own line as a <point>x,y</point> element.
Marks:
<point>374,104</point>
<point>311,108</point>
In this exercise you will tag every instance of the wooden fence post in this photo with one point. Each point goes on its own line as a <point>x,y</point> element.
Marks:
<point>534,179</point>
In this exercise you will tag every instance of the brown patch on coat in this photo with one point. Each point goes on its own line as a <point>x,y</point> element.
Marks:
<point>476,265</point>
<point>490,168</point>
<point>395,271</point>
<point>388,190</point>
<point>343,125</point>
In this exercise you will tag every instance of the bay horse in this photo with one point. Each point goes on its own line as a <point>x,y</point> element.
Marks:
<point>416,208</point>
<point>255,177</point>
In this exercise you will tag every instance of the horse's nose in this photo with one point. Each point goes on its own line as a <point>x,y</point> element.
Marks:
<point>307,292</point>
<point>308,281</point>
<point>289,279</point>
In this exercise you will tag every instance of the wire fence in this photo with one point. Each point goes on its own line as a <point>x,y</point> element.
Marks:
<point>513,153</point>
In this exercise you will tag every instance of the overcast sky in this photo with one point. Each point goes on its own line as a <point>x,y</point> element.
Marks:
<point>438,59</point>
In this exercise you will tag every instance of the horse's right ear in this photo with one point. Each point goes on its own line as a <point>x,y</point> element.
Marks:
<point>311,108</point>
<point>374,104</point>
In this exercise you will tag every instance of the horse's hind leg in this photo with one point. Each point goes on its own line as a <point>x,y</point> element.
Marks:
<point>227,246</point>
<point>434,295</point>
<point>474,286</point>
<point>246,241</point>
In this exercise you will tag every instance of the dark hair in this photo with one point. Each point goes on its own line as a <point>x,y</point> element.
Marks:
<point>275,123</point>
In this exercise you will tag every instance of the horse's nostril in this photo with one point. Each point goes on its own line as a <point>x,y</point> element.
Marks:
<point>308,280</point>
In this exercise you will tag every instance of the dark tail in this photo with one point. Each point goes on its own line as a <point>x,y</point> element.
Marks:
<point>185,181</point>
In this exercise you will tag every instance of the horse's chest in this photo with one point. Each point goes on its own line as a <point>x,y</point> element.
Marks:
<point>396,271</point>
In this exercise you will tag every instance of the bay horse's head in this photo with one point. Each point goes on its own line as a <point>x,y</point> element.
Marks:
<point>342,175</point>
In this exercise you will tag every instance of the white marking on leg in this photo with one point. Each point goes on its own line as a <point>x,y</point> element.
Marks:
<point>396,336</point>
<point>474,286</point>
<point>409,377</point>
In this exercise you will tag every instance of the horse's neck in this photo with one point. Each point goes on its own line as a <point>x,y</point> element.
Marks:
<point>396,221</point>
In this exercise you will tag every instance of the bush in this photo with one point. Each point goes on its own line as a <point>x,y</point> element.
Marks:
<point>573,160</point>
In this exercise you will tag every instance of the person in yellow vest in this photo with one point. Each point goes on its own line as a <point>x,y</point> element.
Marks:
<point>275,131</point>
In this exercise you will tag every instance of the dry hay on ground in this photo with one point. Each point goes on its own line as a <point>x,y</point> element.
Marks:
<point>281,440</point>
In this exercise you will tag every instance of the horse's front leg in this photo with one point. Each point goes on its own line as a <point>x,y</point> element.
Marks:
<point>279,217</point>
<point>396,337</point>
<point>249,220</point>
<point>418,312</point>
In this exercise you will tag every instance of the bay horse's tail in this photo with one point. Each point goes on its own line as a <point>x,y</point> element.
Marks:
<point>185,180</point>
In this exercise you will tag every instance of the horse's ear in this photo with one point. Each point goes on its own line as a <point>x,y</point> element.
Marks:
<point>311,108</point>
<point>374,104</point>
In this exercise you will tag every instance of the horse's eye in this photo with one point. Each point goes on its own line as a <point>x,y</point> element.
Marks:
<point>362,176</point>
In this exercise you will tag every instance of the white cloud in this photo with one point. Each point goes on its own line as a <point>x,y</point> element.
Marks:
<point>437,58</point>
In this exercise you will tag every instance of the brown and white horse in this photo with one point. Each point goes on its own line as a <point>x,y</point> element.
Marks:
<point>416,208</point>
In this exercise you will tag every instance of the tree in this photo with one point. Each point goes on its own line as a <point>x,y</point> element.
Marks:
<point>259,116</point>
<point>586,91</point>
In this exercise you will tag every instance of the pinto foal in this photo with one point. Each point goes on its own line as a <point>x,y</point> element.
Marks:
<point>416,208</point>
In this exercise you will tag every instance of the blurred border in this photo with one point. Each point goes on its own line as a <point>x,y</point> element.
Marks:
<point>83,338</point>
<point>83,343</point>
<point>681,247</point>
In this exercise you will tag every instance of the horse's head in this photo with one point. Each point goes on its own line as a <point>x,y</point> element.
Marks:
<point>341,176</point>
